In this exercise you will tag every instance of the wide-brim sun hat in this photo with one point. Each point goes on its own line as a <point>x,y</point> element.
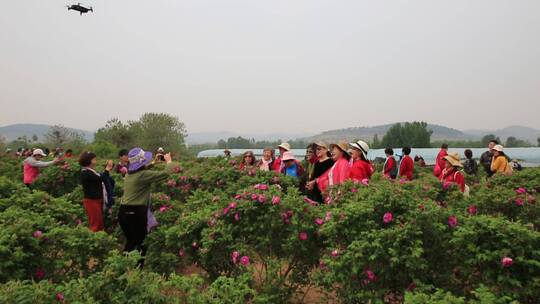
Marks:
<point>362,146</point>
<point>285,146</point>
<point>499,148</point>
<point>453,159</point>
<point>288,156</point>
<point>343,146</point>
<point>38,152</point>
<point>322,145</point>
<point>138,158</point>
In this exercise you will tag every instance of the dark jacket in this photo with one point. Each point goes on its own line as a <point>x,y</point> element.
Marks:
<point>470,166</point>
<point>485,161</point>
<point>92,186</point>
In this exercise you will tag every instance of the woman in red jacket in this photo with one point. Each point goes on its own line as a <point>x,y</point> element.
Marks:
<point>390,168</point>
<point>406,166</point>
<point>361,168</point>
<point>440,163</point>
<point>340,171</point>
<point>452,174</point>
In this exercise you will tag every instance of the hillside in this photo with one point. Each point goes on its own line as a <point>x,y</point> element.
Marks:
<point>520,132</point>
<point>12,132</point>
<point>367,133</point>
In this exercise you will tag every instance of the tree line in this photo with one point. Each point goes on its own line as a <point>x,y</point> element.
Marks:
<point>153,130</point>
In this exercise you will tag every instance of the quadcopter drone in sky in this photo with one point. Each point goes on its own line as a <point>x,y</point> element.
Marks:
<point>82,9</point>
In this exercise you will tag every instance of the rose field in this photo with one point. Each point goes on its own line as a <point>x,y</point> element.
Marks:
<point>227,236</point>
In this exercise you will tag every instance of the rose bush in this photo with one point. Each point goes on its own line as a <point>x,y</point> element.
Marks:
<point>253,237</point>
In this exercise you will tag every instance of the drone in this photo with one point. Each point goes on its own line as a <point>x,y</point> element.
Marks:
<point>80,8</point>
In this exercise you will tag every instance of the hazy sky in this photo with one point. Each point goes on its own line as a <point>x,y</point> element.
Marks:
<point>274,65</point>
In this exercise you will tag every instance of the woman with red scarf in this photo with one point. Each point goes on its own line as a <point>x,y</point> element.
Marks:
<point>361,168</point>
<point>451,174</point>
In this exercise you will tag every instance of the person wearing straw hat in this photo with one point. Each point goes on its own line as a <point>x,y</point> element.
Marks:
<point>499,164</point>
<point>451,174</point>
<point>227,153</point>
<point>33,164</point>
<point>291,166</point>
<point>277,166</point>
<point>323,164</point>
<point>361,168</point>
<point>134,211</point>
<point>340,171</point>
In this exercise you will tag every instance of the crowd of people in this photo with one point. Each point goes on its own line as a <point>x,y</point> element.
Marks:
<point>324,166</point>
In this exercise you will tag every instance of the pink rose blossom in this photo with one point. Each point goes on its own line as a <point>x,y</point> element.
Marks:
<point>237,217</point>
<point>365,182</point>
<point>303,236</point>
<point>171,183</point>
<point>176,169</point>
<point>531,199</point>
<point>262,199</point>
<point>276,200</point>
<point>163,208</point>
<point>387,217</point>
<point>354,190</point>
<point>195,245</point>
<point>452,221</point>
<point>370,275</point>
<point>233,205</point>
<point>507,262</point>
<point>181,253</point>
<point>244,260</point>
<point>319,221</point>
<point>402,181</point>
<point>78,221</point>
<point>37,234</point>
<point>226,210</point>
<point>262,187</point>
<point>328,216</point>
<point>472,209</point>
<point>234,257</point>
<point>59,297</point>
<point>322,264</point>
<point>521,190</point>
<point>254,197</point>
<point>335,253</point>
<point>40,273</point>
<point>123,170</point>
<point>519,201</point>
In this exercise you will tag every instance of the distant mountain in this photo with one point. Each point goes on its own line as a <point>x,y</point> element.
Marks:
<point>520,132</point>
<point>12,132</point>
<point>214,137</point>
<point>367,133</point>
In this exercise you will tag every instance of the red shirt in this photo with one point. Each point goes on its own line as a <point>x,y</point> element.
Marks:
<point>440,163</point>
<point>276,166</point>
<point>406,167</point>
<point>360,170</point>
<point>452,176</point>
<point>389,166</point>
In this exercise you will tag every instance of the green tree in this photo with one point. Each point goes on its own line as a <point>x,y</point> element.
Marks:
<point>155,130</point>
<point>486,139</point>
<point>538,140</point>
<point>376,142</point>
<point>117,133</point>
<point>415,134</point>
<point>60,136</point>
<point>512,142</point>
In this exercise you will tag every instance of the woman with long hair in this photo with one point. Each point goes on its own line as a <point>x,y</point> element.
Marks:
<point>248,161</point>
<point>340,170</point>
<point>323,164</point>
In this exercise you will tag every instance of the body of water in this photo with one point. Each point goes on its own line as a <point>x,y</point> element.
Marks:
<point>528,157</point>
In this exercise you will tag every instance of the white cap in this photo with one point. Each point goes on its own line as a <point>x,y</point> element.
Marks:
<point>38,152</point>
<point>160,150</point>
